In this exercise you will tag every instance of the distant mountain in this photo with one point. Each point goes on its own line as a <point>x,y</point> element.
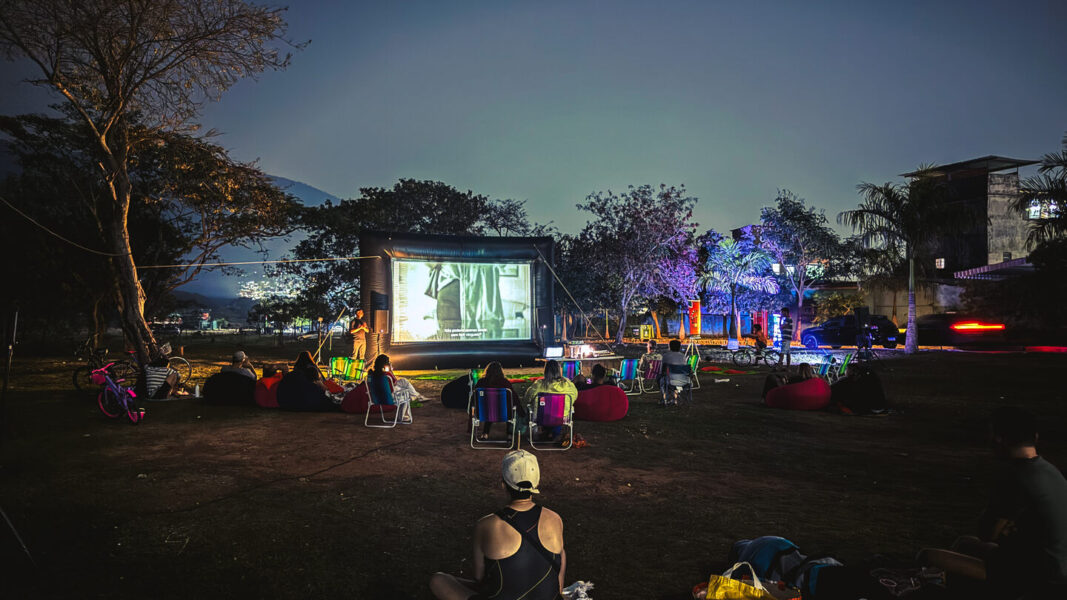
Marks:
<point>234,310</point>
<point>309,195</point>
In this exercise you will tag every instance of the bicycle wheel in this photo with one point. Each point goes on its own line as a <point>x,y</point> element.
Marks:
<point>772,357</point>
<point>81,380</point>
<point>132,411</point>
<point>109,403</point>
<point>125,372</point>
<point>742,357</point>
<point>184,369</point>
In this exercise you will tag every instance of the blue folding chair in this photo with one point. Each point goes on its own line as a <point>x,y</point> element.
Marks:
<point>401,414</point>
<point>493,405</point>
<point>628,373</point>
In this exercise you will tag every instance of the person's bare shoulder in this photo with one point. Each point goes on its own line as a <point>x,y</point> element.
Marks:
<point>552,516</point>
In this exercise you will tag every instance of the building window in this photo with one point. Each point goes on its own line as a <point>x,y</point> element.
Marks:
<point>939,263</point>
<point>1042,209</point>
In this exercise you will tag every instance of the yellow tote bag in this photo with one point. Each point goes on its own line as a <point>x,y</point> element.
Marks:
<point>723,587</point>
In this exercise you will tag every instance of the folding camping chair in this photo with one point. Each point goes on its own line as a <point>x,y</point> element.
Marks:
<point>550,411</point>
<point>628,372</point>
<point>493,405</point>
<point>693,360</point>
<point>571,368</point>
<point>401,415</point>
<point>347,369</point>
<point>651,374</point>
<point>824,367</point>
<point>836,374</point>
<point>674,378</point>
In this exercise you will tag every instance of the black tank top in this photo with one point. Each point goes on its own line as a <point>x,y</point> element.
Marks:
<point>528,574</point>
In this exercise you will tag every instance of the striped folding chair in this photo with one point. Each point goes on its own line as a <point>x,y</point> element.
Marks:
<point>824,367</point>
<point>694,361</point>
<point>550,413</point>
<point>347,369</point>
<point>649,381</point>
<point>493,405</point>
<point>571,368</point>
<point>628,373</point>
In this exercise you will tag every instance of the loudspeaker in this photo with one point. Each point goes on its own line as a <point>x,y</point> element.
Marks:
<point>381,321</point>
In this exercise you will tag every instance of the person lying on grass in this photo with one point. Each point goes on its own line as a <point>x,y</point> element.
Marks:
<point>518,550</point>
<point>1021,547</point>
<point>804,372</point>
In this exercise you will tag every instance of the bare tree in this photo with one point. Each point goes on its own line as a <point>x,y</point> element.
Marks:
<point>152,61</point>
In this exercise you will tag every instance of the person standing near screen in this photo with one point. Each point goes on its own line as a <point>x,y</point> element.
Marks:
<point>357,328</point>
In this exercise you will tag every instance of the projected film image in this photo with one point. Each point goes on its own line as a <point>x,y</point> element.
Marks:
<point>440,301</point>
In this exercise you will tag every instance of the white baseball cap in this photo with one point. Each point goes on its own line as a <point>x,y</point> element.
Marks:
<point>520,467</point>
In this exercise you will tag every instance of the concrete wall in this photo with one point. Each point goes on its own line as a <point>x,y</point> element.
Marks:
<point>1007,228</point>
<point>937,298</point>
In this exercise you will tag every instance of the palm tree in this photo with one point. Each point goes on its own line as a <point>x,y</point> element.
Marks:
<point>731,267</point>
<point>1048,189</point>
<point>906,220</point>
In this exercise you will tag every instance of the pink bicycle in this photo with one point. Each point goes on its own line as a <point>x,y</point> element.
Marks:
<point>115,400</point>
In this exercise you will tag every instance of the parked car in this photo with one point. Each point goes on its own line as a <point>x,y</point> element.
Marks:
<point>956,329</point>
<point>841,331</point>
<point>165,329</point>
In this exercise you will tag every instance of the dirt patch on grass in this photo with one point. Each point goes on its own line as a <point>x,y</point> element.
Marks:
<point>222,501</point>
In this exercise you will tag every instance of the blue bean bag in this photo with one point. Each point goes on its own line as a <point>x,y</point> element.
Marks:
<point>601,403</point>
<point>228,387</point>
<point>297,392</point>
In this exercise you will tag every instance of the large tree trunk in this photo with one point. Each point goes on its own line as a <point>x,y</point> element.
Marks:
<point>655,323</point>
<point>130,296</point>
<point>911,342</point>
<point>798,325</point>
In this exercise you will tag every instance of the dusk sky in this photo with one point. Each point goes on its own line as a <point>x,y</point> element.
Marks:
<point>549,101</point>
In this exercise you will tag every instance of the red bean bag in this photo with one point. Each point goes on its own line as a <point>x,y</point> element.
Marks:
<point>357,399</point>
<point>267,391</point>
<point>602,403</point>
<point>810,394</point>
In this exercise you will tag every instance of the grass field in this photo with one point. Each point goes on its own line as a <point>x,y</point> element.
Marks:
<point>202,501</point>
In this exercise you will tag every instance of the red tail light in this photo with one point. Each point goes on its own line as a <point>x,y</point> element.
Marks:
<point>976,326</point>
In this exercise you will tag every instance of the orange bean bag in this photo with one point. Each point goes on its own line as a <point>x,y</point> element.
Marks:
<point>810,394</point>
<point>267,391</point>
<point>602,403</point>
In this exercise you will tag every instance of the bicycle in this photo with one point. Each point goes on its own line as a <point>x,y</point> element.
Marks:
<point>746,356</point>
<point>81,377</point>
<point>115,400</point>
<point>178,363</point>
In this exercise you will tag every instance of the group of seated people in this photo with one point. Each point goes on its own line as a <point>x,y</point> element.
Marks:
<point>1020,552</point>
<point>858,392</point>
<point>674,374</point>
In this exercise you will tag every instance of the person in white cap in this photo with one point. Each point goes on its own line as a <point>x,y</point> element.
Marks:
<point>240,364</point>
<point>518,550</point>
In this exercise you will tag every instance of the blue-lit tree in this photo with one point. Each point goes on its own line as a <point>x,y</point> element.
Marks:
<point>733,267</point>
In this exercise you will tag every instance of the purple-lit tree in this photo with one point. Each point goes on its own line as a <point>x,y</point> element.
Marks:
<point>800,240</point>
<point>634,235</point>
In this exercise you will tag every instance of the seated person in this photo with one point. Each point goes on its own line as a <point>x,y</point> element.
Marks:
<point>669,381</point>
<point>304,389</point>
<point>160,380</point>
<point>859,391</point>
<point>240,364</point>
<point>650,355</point>
<point>494,377</point>
<point>553,383</point>
<point>306,366</point>
<point>403,391</point>
<point>599,373</point>
<point>760,338</point>
<point>1021,548</point>
<point>518,550</point>
<point>804,372</point>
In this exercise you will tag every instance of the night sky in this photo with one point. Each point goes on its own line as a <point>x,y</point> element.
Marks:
<point>549,101</point>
